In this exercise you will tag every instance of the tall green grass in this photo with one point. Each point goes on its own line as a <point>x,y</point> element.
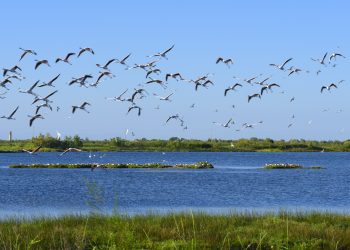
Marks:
<point>180,231</point>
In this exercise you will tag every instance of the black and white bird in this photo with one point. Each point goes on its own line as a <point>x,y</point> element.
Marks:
<point>328,87</point>
<point>103,74</point>
<point>27,51</point>
<point>33,118</point>
<point>32,152</point>
<point>250,80</point>
<point>227,62</point>
<point>66,58</point>
<point>166,98</point>
<point>174,76</point>
<point>40,62</point>
<point>105,67</point>
<point>321,60</point>
<point>71,150</point>
<point>157,81</point>
<point>175,117</point>
<point>30,90</point>
<point>43,105</point>
<point>281,67</point>
<point>135,107</point>
<point>153,71</point>
<point>232,88</point>
<point>82,107</point>
<point>83,50</point>
<point>45,99</point>
<point>163,54</point>
<point>118,98</point>
<point>334,56</point>
<point>10,117</point>
<point>12,70</point>
<point>4,82</point>
<point>50,83</point>
<point>254,96</point>
<point>225,125</point>
<point>293,70</point>
<point>268,87</point>
<point>123,61</point>
<point>82,81</point>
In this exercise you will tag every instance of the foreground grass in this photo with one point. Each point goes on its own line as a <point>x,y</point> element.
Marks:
<point>180,231</point>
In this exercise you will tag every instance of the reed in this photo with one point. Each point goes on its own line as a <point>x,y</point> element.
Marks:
<point>179,231</point>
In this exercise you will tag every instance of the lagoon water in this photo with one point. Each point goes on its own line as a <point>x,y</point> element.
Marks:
<point>237,183</point>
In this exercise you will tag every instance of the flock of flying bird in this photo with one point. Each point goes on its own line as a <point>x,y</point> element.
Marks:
<point>153,76</point>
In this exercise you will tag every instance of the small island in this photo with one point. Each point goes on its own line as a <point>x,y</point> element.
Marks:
<point>289,166</point>
<point>198,165</point>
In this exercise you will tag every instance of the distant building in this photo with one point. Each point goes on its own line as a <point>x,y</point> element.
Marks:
<point>10,136</point>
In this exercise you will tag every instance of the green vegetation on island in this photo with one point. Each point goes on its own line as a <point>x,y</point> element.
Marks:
<point>179,231</point>
<point>50,144</point>
<point>282,166</point>
<point>288,166</point>
<point>198,165</point>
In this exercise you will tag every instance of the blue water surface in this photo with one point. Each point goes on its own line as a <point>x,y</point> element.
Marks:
<point>237,183</point>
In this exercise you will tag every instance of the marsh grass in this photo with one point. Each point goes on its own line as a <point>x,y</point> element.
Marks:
<point>180,231</point>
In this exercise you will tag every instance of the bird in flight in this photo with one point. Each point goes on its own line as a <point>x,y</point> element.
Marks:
<point>82,50</point>
<point>12,70</point>
<point>254,96</point>
<point>123,61</point>
<point>33,118</point>
<point>334,56</point>
<point>225,125</point>
<point>27,51</point>
<point>328,87</point>
<point>174,76</point>
<point>293,70</point>
<point>50,83</point>
<point>321,60</point>
<point>268,86</point>
<point>33,152</point>
<point>40,62</point>
<point>232,88</point>
<point>118,98</point>
<point>105,67</point>
<point>166,98</point>
<point>82,107</point>
<point>281,67</point>
<point>30,90</point>
<point>135,107</point>
<point>45,99</point>
<point>10,117</point>
<point>175,117</point>
<point>153,71</point>
<point>71,150</point>
<point>66,59</point>
<point>163,54</point>
<point>227,62</point>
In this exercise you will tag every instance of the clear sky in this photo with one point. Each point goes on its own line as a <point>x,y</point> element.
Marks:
<point>253,33</point>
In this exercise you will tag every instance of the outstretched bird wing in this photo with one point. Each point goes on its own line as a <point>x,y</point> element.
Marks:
<point>166,51</point>
<point>12,114</point>
<point>286,62</point>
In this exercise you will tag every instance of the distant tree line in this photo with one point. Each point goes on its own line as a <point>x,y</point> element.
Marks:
<point>50,143</point>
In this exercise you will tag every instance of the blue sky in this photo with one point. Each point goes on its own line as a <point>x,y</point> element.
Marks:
<point>252,33</point>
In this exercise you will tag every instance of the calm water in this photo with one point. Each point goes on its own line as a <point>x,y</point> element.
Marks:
<point>237,183</point>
